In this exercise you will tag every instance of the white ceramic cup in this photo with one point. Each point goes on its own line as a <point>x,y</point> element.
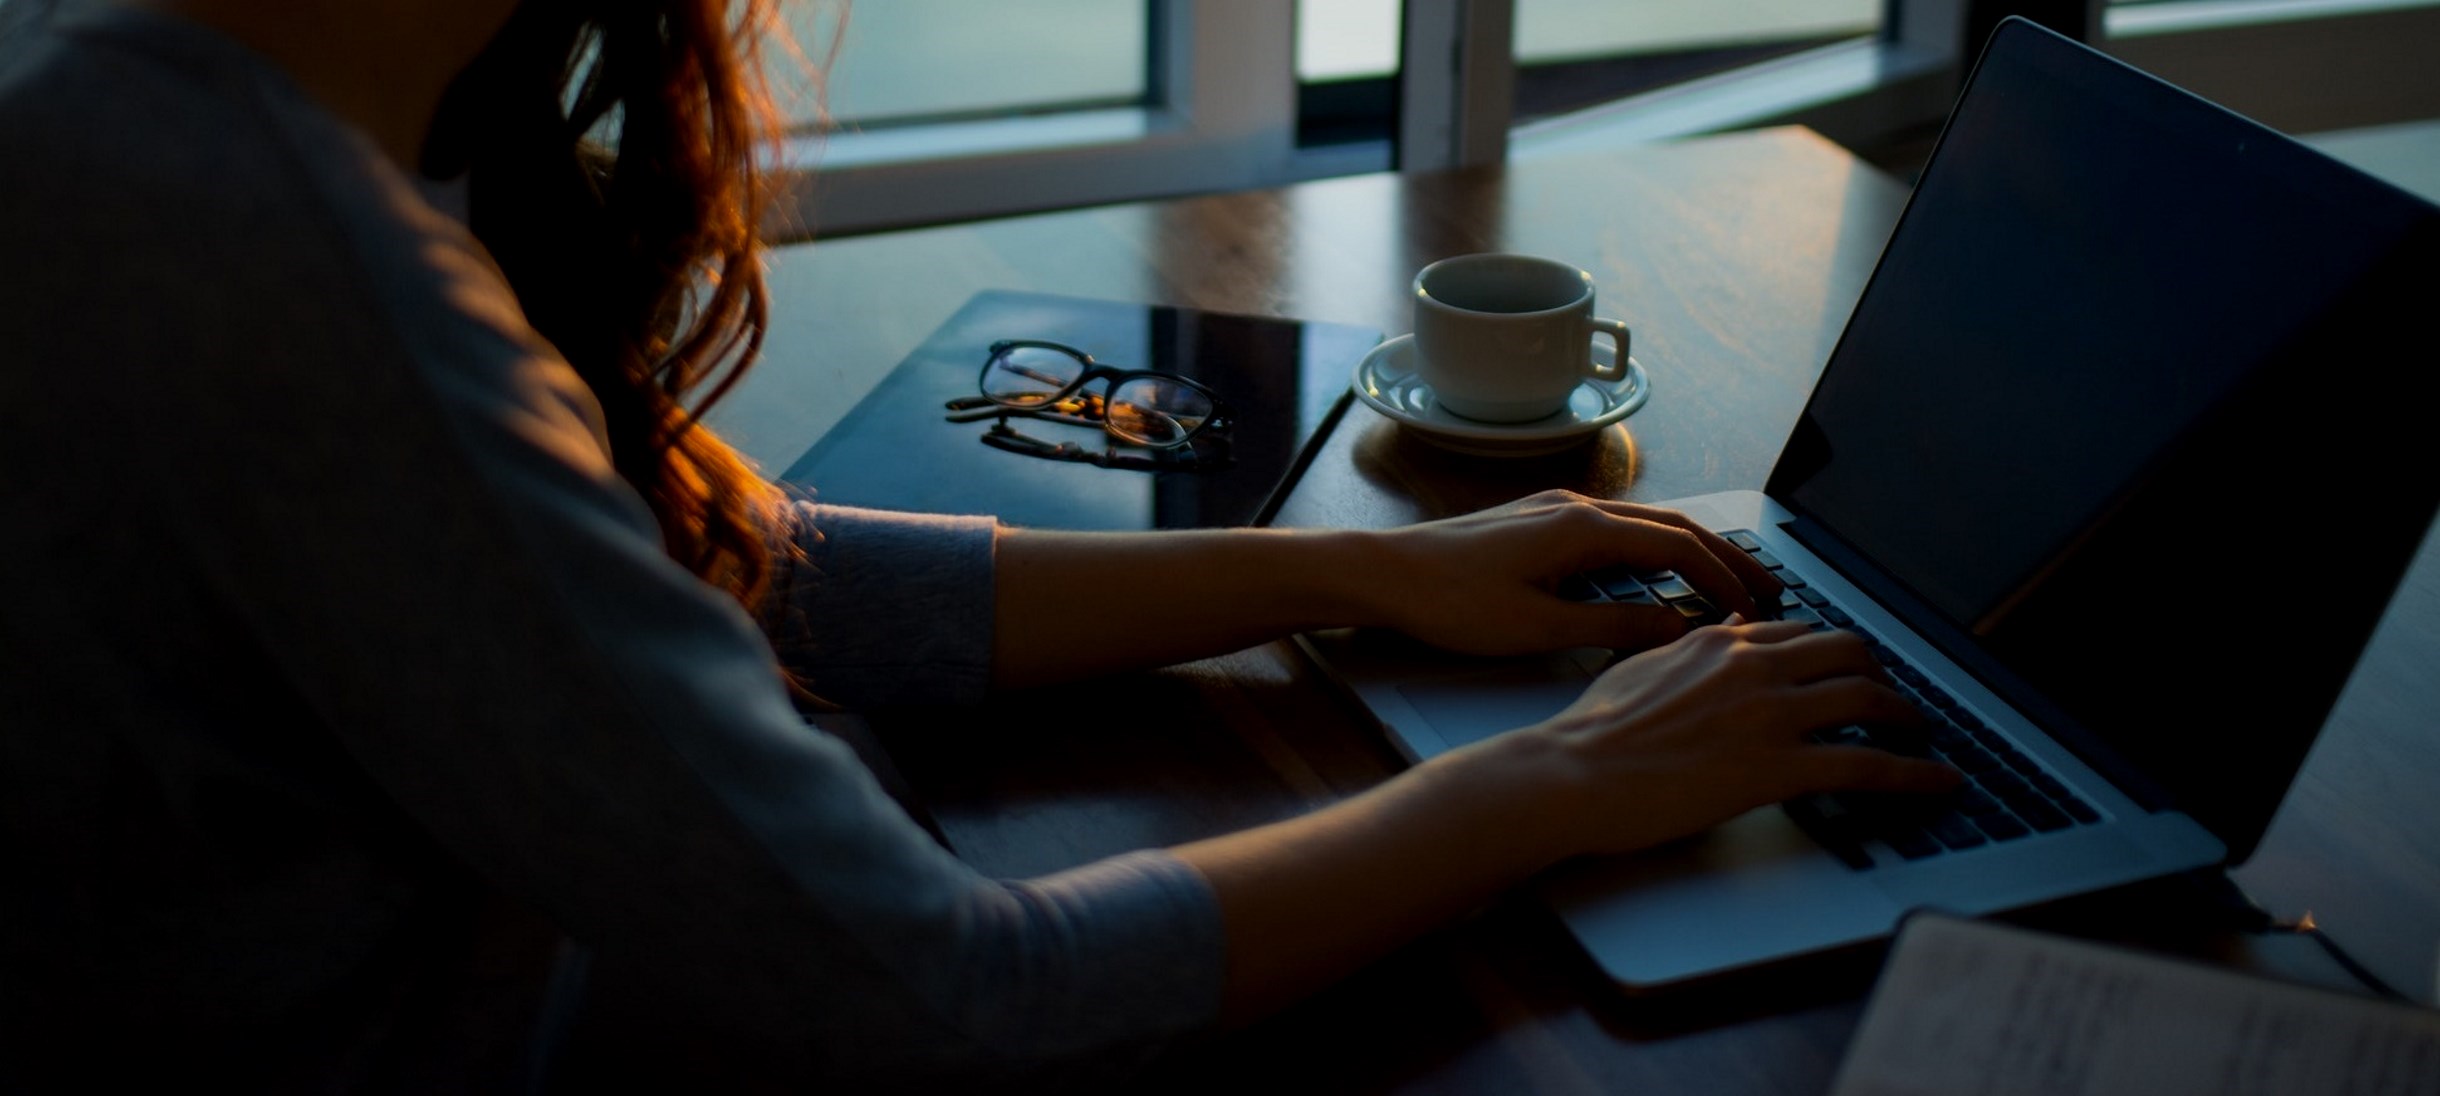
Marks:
<point>1507,338</point>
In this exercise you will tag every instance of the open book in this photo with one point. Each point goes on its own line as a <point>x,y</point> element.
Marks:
<point>1974,1007</point>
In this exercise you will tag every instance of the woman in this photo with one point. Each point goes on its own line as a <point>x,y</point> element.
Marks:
<point>383,619</point>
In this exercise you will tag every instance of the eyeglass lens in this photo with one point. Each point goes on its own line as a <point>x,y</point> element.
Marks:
<point>1144,408</point>
<point>1029,376</point>
<point>1156,412</point>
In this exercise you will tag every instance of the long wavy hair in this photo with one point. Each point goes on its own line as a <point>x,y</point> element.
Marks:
<point>613,150</point>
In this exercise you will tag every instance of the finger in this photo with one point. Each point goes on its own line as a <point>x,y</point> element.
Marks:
<point>1852,699</point>
<point>1624,627</point>
<point>1686,552</point>
<point>1800,656</point>
<point>1766,631</point>
<point>1865,769</point>
<point>1749,572</point>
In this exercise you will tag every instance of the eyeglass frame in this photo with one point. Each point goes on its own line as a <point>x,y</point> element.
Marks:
<point>1218,422</point>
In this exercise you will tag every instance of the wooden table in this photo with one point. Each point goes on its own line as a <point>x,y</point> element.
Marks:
<point>1737,259</point>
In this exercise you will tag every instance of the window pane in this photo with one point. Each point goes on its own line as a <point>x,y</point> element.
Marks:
<point>1346,39</point>
<point>1568,30</point>
<point>904,60</point>
<point>1573,54</point>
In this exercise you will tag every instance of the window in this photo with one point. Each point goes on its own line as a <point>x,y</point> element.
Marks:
<point>952,109</point>
<point>1226,94</point>
<point>908,61</point>
<point>1346,71</point>
<point>1575,53</point>
<point>2300,65</point>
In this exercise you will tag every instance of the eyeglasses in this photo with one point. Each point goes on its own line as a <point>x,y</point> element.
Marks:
<point>1183,423</point>
<point>1159,410</point>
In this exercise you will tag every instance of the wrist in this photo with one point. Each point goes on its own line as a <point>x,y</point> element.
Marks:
<point>1382,581</point>
<point>1527,789</point>
<point>1352,578</point>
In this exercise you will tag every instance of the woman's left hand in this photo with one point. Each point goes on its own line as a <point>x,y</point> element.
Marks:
<point>1487,583</point>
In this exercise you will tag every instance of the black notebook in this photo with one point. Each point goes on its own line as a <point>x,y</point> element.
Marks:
<point>1286,382</point>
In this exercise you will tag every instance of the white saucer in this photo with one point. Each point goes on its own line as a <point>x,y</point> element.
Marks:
<point>1385,380</point>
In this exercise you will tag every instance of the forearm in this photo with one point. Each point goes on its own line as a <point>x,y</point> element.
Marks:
<point>1307,901</point>
<point>1071,605</point>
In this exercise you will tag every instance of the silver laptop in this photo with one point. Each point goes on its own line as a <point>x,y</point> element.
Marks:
<point>2116,465</point>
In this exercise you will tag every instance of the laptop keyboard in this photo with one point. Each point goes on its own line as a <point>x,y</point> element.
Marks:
<point>2008,795</point>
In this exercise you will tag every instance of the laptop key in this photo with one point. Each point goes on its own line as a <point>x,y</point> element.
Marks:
<point>1972,762</point>
<point>2001,827</point>
<point>1976,802</point>
<point>2043,817</point>
<point>1829,823</point>
<point>1671,589</point>
<point>1745,541</point>
<point>1906,741</point>
<point>1618,582</point>
<point>1698,612</point>
<point>2010,788</point>
<point>1577,588</point>
<point>1955,832</point>
<point>1912,844</point>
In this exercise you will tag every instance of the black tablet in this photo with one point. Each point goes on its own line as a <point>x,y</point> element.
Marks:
<point>919,441</point>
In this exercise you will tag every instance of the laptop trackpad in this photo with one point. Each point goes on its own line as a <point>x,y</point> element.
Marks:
<point>1472,706</point>
<point>1754,890</point>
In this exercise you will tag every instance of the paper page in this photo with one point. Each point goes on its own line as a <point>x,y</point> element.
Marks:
<point>1969,1008</point>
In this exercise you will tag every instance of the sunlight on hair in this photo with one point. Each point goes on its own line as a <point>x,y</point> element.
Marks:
<point>799,49</point>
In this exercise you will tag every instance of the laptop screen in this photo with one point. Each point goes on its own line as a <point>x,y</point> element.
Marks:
<point>2133,419</point>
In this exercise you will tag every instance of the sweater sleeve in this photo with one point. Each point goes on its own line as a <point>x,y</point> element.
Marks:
<point>877,607</point>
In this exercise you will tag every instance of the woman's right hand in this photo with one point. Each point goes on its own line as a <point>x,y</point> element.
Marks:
<point>1682,737</point>
<point>1663,745</point>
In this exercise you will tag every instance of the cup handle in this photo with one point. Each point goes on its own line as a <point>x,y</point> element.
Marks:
<point>1617,331</point>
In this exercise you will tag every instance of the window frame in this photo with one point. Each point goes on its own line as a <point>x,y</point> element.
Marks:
<point>1224,114</point>
<point>2269,59</point>
<point>1221,116</point>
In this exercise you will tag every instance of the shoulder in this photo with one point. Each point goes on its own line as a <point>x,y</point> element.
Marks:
<point>212,240</point>
<point>127,129</point>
